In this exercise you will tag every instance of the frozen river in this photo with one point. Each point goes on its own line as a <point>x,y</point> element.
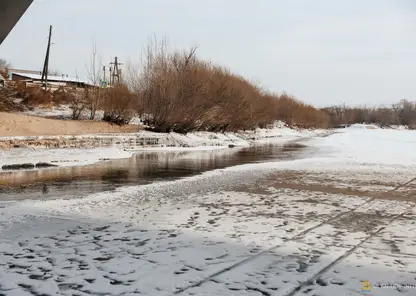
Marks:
<point>337,218</point>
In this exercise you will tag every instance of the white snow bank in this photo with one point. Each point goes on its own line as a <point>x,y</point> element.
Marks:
<point>367,144</point>
<point>278,132</point>
<point>124,145</point>
<point>60,157</point>
<point>63,111</point>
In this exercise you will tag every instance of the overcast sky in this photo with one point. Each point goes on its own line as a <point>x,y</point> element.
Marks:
<point>323,51</point>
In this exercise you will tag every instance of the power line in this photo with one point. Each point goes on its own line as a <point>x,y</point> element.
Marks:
<point>115,72</point>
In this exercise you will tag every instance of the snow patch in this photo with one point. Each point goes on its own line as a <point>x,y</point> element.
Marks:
<point>61,157</point>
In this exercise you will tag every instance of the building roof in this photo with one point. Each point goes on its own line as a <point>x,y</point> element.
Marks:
<point>51,78</point>
<point>24,71</point>
<point>54,78</point>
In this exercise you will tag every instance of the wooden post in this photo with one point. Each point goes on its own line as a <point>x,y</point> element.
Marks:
<point>45,70</point>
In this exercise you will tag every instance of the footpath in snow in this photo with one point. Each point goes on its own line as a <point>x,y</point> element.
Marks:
<point>338,224</point>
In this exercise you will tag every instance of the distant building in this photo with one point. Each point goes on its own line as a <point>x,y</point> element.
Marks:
<point>36,78</point>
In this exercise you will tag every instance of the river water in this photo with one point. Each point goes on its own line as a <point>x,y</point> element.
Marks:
<point>142,168</point>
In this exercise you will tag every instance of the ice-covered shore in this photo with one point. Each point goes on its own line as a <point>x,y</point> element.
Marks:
<point>88,149</point>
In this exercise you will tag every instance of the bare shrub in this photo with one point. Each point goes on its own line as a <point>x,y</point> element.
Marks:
<point>402,113</point>
<point>78,106</point>
<point>93,95</point>
<point>7,104</point>
<point>4,64</point>
<point>406,112</point>
<point>177,92</point>
<point>63,96</point>
<point>288,109</point>
<point>37,96</point>
<point>118,105</point>
<point>55,73</point>
<point>4,67</point>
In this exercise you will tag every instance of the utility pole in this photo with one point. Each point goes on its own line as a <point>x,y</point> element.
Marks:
<point>116,72</point>
<point>44,79</point>
<point>344,113</point>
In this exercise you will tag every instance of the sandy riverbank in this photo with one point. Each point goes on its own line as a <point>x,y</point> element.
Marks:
<point>12,124</point>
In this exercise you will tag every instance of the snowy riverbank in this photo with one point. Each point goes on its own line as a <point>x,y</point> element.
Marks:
<point>88,149</point>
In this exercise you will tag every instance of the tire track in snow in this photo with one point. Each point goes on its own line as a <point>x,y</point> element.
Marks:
<point>402,185</point>
<point>297,236</point>
<point>251,258</point>
<point>314,277</point>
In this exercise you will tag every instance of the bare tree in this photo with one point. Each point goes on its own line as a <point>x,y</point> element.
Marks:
<point>93,96</point>
<point>4,64</point>
<point>79,103</point>
<point>4,67</point>
<point>177,92</point>
<point>55,73</point>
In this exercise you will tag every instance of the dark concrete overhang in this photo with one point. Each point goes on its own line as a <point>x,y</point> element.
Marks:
<point>10,13</point>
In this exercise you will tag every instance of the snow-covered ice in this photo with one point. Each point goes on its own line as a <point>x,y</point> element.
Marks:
<point>369,145</point>
<point>342,224</point>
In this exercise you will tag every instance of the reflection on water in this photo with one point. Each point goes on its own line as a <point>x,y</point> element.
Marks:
<point>143,168</point>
